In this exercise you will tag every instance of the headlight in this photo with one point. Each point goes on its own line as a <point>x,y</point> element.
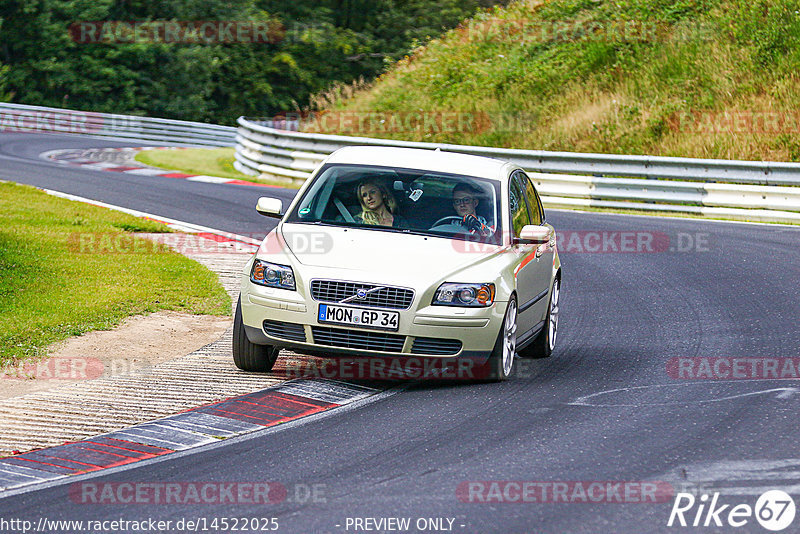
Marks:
<point>272,275</point>
<point>468,295</point>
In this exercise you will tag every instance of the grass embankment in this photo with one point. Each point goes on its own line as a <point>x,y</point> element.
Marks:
<point>208,161</point>
<point>695,78</point>
<point>67,268</point>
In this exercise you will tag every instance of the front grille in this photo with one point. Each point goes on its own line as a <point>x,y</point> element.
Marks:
<point>429,345</point>
<point>398,298</point>
<point>290,331</point>
<point>354,339</point>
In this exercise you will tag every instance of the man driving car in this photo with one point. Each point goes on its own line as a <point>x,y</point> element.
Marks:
<point>465,201</point>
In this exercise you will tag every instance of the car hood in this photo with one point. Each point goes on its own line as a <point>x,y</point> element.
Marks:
<point>375,254</point>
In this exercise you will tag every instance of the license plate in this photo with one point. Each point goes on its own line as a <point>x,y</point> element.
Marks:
<point>364,317</point>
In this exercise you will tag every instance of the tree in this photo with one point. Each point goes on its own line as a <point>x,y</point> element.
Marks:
<point>321,42</point>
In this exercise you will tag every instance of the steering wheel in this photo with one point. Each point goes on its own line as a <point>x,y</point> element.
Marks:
<point>450,219</point>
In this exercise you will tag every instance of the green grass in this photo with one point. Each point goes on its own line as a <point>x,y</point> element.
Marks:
<point>208,161</point>
<point>585,92</point>
<point>51,289</point>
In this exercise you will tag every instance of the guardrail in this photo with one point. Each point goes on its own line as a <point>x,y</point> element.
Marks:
<point>23,118</point>
<point>747,190</point>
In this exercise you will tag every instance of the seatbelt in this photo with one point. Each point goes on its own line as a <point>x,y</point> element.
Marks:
<point>343,211</point>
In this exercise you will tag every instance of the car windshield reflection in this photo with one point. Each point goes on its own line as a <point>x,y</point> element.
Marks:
<point>403,200</point>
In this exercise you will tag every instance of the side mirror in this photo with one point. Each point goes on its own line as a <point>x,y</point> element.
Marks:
<point>270,207</point>
<point>532,234</point>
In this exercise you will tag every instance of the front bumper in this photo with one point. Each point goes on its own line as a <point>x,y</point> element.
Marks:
<point>285,319</point>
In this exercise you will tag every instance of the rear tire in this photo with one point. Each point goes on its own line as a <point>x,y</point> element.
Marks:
<point>501,362</point>
<point>248,356</point>
<point>545,342</point>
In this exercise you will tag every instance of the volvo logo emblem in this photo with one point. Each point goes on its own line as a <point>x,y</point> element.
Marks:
<point>361,294</point>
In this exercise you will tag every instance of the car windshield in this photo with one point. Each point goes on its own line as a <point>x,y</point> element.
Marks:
<point>404,200</point>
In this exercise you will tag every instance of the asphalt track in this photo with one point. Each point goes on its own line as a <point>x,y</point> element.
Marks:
<point>603,408</point>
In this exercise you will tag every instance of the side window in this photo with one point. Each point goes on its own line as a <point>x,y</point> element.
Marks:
<point>534,202</point>
<point>517,206</point>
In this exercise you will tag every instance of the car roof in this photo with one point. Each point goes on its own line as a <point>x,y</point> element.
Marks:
<point>415,158</point>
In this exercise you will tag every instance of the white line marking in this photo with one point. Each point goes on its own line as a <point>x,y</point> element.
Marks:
<point>100,165</point>
<point>786,392</point>
<point>731,477</point>
<point>209,179</point>
<point>755,490</point>
<point>178,224</point>
<point>147,172</point>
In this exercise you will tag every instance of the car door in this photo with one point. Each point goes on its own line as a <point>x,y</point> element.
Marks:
<point>535,263</point>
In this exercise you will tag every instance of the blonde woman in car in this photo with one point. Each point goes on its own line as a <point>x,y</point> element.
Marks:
<point>378,206</point>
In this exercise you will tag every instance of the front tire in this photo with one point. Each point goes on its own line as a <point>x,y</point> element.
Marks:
<point>545,342</point>
<point>248,356</point>
<point>501,362</point>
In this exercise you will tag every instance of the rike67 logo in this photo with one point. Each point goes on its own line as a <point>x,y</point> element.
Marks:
<point>774,510</point>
